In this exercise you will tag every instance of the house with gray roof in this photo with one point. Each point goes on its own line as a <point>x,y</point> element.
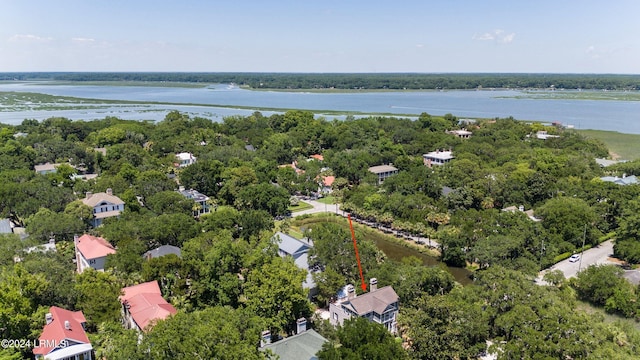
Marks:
<point>199,198</point>
<point>162,251</point>
<point>298,249</point>
<point>607,162</point>
<point>383,172</point>
<point>302,346</point>
<point>5,226</point>
<point>624,180</point>
<point>47,168</point>
<point>378,305</point>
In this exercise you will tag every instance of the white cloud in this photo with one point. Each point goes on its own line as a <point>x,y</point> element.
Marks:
<point>497,35</point>
<point>483,37</point>
<point>29,38</point>
<point>81,40</point>
<point>419,46</point>
<point>507,38</point>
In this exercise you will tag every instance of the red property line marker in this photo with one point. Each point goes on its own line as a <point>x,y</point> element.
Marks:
<point>355,247</point>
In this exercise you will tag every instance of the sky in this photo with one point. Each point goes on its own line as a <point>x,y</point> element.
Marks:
<point>422,36</point>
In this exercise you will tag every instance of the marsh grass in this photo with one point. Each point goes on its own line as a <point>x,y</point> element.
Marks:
<point>626,146</point>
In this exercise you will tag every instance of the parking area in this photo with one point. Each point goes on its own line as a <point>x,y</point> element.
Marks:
<point>598,255</point>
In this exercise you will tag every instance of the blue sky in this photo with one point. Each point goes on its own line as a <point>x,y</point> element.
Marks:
<point>560,36</point>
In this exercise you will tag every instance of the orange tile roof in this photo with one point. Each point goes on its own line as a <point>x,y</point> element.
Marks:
<point>55,332</point>
<point>317,157</point>
<point>93,247</point>
<point>146,303</point>
<point>328,180</point>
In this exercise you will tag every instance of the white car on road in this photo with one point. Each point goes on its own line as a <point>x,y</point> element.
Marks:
<point>574,258</point>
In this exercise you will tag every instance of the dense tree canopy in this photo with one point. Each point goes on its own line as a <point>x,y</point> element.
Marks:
<point>230,278</point>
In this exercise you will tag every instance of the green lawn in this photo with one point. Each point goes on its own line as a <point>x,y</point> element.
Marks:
<point>301,206</point>
<point>626,146</point>
<point>328,200</point>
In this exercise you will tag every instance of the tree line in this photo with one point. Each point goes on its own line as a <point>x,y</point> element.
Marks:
<point>361,81</point>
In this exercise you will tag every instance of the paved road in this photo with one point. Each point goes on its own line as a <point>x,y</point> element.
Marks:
<point>318,207</point>
<point>595,256</point>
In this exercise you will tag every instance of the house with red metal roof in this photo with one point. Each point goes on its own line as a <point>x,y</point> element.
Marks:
<point>92,251</point>
<point>63,336</point>
<point>143,305</point>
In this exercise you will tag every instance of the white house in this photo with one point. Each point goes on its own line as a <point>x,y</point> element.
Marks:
<point>63,336</point>
<point>462,134</point>
<point>91,251</point>
<point>201,199</point>
<point>378,305</point>
<point>383,172</point>
<point>437,158</point>
<point>104,205</point>
<point>326,184</point>
<point>185,159</point>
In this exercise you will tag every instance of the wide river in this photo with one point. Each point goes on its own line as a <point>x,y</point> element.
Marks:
<point>614,115</point>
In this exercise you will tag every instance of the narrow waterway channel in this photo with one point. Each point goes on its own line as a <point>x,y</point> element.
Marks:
<point>397,252</point>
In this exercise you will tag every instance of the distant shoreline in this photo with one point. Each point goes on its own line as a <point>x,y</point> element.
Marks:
<point>355,81</point>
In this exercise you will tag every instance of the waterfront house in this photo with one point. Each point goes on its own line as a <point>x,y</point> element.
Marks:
<point>378,305</point>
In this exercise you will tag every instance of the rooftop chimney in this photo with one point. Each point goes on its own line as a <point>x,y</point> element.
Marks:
<point>351,292</point>
<point>301,325</point>
<point>48,317</point>
<point>88,194</point>
<point>109,191</point>
<point>373,284</point>
<point>67,325</point>
<point>265,338</point>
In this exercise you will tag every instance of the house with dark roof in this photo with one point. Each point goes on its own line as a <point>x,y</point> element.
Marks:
<point>199,198</point>
<point>378,305</point>
<point>304,345</point>
<point>63,336</point>
<point>162,251</point>
<point>143,305</point>
<point>383,172</point>
<point>91,252</point>
<point>104,205</point>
